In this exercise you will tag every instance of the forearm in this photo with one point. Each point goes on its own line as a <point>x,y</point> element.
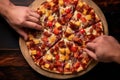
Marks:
<point>5,6</point>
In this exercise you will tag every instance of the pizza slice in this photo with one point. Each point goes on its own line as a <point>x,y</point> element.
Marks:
<point>64,57</point>
<point>84,16</point>
<point>66,10</point>
<point>84,26</point>
<point>41,41</point>
<point>49,13</point>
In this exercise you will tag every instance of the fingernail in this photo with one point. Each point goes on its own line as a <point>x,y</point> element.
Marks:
<point>25,38</point>
<point>39,27</point>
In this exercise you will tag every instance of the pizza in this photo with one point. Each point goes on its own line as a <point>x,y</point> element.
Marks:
<point>68,26</point>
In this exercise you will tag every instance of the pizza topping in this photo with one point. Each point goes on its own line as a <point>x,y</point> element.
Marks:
<point>67,57</point>
<point>50,23</point>
<point>62,50</point>
<point>56,31</point>
<point>62,57</point>
<point>48,56</point>
<point>67,50</point>
<point>61,44</point>
<point>71,37</point>
<point>44,39</point>
<point>47,34</point>
<point>33,52</point>
<point>83,19</point>
<point>47,65</point>
<point>88,17</point>
<point>60,69</point>
<point>68,65</point>
<point>52,39</point>
<point>78,15</point>
<point>82,31</point>
<point>76,65</point>
<point>38,55</point>
<point>61,2</point>
<point>73,26</point>
<point>68,17</point>
<point>58,64</point>
<point>74,48</point>
<point>57,57</point>
<point>50,18</point>
<point>68,10</point>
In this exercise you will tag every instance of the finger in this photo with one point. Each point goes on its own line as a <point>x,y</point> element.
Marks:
<point>34,14</point>
<point>32,19</point>
<point>96,39</point>
<point>91,46</point>
<point>21,32</point>
<point>90,53</point>
<point>32,25</point>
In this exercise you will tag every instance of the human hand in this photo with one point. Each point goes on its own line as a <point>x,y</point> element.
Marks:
<point>104,49</point>
<point>20,17</point>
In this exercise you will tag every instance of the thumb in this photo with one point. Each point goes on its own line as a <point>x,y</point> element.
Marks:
<point>21,32</point>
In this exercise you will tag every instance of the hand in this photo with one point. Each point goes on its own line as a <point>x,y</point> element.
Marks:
<point>104,49</point>
<point>20,17</point>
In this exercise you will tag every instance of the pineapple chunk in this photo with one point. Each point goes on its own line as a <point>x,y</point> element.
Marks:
<point>61,2</point>
<point>47,13</point>
<point>52,39</point>
<point>62,57</point>
<point>62,50</point>
<point>50,18</point>
<point>84,11</point>
<point>43,10</point>
<point>87,30</point>
<point>94,32</point>
<point>36,41</point>
<point>67,57</point>
<point>88,17</point>
<point>67,50</point>
<point>52,4</point>
<point>57,24</point>
<point>80,69</point>
<point>80,4</point>
<point>68,30</point>
<point>78,23</point>
<point>33,52</point>
<point>67,65</point>
<point>62,11</point>
<point>47,65</point>
<point>49,57</point>
<point>71,37</point>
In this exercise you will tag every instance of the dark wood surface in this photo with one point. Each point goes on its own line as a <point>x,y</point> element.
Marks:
<point>13,66</point>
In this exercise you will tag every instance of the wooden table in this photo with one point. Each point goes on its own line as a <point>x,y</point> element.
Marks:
<point>13,66</point>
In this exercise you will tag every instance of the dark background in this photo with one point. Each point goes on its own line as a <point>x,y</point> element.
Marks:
<point>14,67</point>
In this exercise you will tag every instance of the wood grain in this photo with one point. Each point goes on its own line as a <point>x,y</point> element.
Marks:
<point>12,59</point>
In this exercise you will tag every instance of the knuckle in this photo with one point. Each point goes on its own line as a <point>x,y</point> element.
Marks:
<point>21,22</point>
